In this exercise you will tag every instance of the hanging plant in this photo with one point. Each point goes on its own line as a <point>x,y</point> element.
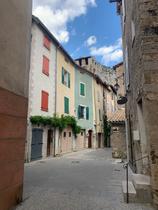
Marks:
<point>57,122</point>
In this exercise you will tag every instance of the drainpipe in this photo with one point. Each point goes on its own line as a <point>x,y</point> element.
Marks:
<point>95,110</point>
<point>55,104</point>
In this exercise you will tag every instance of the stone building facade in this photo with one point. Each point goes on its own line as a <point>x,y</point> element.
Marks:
<point>140,38</point>
<point>15,38</point>
<point>117,119</point>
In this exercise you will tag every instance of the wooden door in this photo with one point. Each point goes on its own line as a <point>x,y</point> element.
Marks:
<point>36,145</point>
<point>90,139</point>
<point>49,142</point>
<point>99,140</point>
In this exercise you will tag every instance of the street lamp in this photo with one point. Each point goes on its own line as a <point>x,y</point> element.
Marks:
<point>116,86</point>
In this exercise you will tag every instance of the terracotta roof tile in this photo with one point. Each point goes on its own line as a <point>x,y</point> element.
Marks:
<point>118,116</point>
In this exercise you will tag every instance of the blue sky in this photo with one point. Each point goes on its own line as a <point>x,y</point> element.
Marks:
<point>84,27</point>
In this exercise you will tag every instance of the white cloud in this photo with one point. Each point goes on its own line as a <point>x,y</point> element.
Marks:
<point>56,14</point>
<point>112,53</point>
<point>91,41</point>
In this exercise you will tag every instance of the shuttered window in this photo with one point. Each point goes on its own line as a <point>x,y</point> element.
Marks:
<point>45,68</point>
<point>46,42</point>
<point>65,78</point>
<point>44,101</point>
<point>82,89</point>
<point>69,80</point>
<point>66,105</point>
<point>87,113</point>
<point>83,112</point>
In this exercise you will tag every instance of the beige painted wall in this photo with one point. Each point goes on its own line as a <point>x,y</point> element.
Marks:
<point>62,90</point>
<point>98,105</point>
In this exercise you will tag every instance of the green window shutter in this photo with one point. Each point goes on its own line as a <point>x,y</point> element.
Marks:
<point>66,105</point>
<point>69,80</point>
<point>87,113</point>
<point>79,112</point>
<point>82,89</point>
<point>62,75</point>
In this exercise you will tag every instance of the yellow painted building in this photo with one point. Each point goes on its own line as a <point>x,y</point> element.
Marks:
<point>99,112</point>
<point>65,103</point>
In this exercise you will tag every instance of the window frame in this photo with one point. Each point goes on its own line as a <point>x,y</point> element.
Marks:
<point>47,45</point>
<point>84,89</point>
<point>85,112</point>
<point>63,80</point>
<point>66,111</point>
<point>44,71</point>
<point>43,94</point>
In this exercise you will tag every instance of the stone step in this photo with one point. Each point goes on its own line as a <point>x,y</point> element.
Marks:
<point>143,187</point>
<point>131,191</point>
<point>141,181</point>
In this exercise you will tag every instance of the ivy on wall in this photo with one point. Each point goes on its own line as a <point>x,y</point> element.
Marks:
<point>107,132</point>
<point>57,122</point>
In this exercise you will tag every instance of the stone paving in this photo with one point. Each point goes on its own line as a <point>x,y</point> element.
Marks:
<point>85,180</point>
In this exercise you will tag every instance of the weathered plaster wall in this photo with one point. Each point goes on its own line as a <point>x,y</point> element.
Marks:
<point>143,79</point>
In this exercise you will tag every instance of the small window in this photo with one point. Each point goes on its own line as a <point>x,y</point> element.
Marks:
<point>82,89</point>
<point>81,133</point>
<point>46,42</point>
<point>66,105</point>
<point>64,134</point>
<point>44,101</point>
<point>65,78</point>
<point>83,112</point>
<point>69,134</point>
<point>45,68</point>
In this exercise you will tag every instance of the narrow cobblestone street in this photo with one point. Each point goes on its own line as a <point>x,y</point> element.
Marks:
<point>85,180</point>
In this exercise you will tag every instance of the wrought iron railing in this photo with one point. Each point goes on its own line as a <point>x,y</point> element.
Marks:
<point>126,167</point>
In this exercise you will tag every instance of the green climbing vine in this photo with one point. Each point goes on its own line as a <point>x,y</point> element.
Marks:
<point>107,132</point>
<point>57,122</point>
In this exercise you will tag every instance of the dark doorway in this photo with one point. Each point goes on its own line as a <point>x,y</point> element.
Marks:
<point>36,145</point>
<point>90,139</point>
<point>99,140</point>
<point>50,143</point>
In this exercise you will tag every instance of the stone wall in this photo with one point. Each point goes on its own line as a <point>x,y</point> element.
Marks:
<point>118,141</point>
<point>140,38</point>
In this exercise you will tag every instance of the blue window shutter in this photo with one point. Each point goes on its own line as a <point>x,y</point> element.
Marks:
<point>87,113</point>
<point>62,75</point>
<point>69,80</point>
